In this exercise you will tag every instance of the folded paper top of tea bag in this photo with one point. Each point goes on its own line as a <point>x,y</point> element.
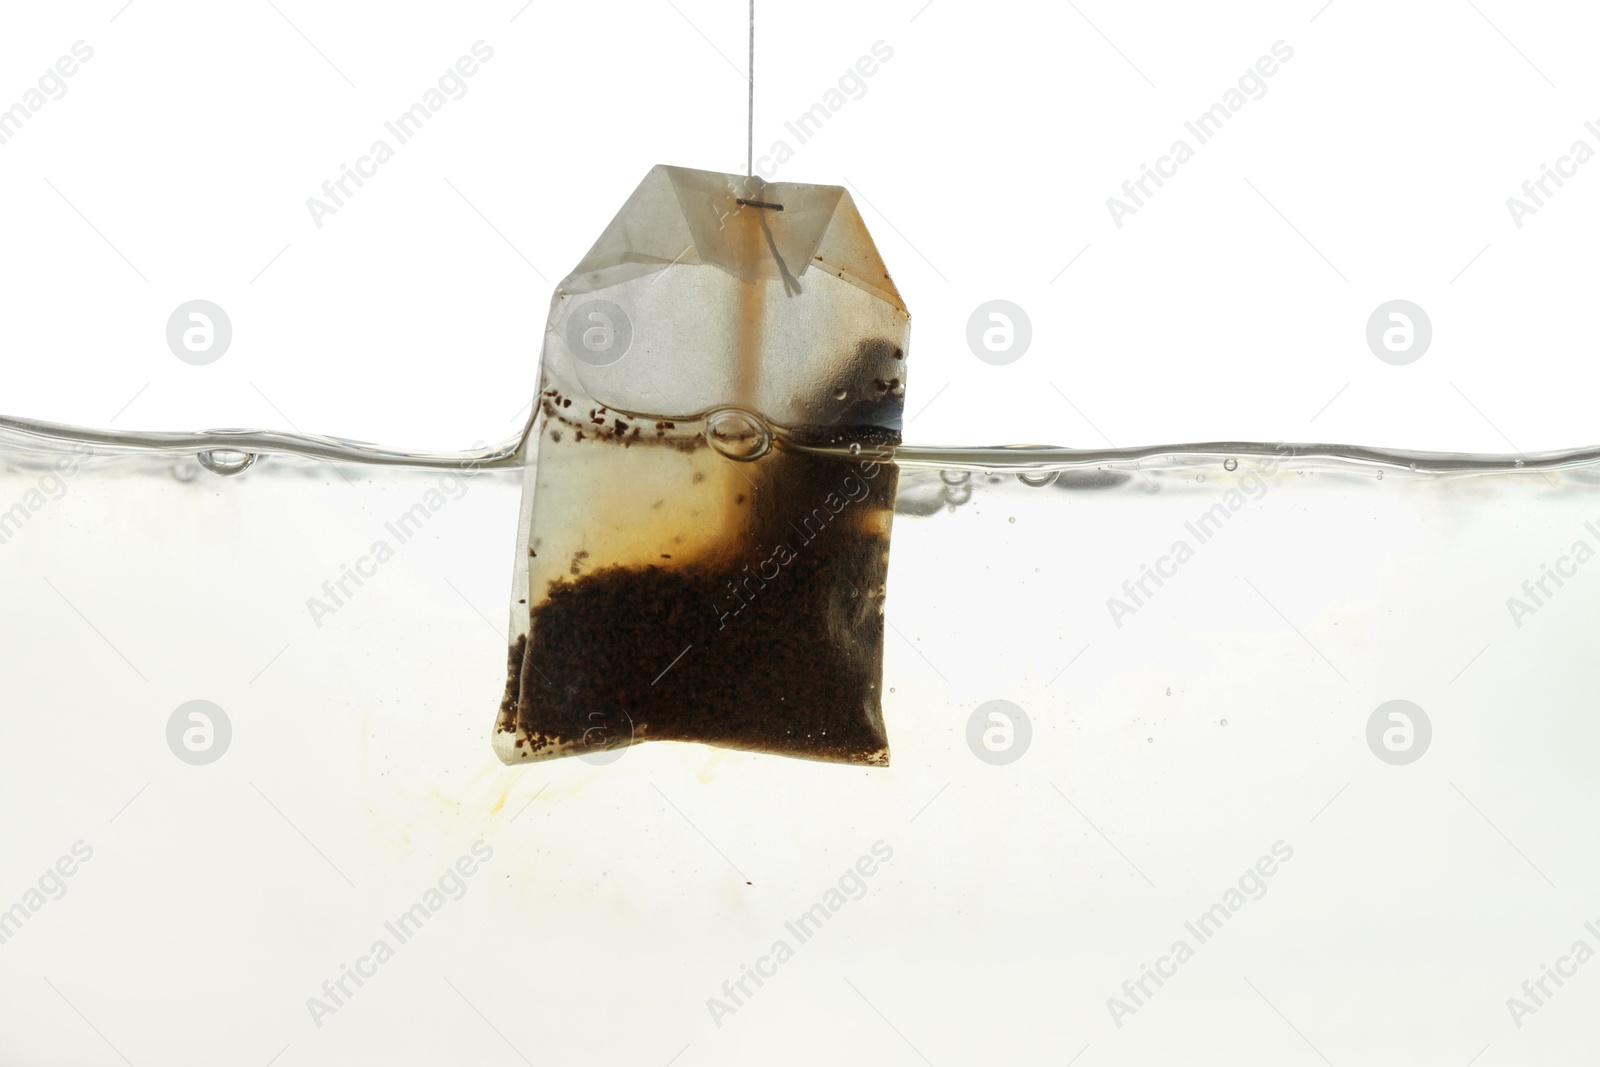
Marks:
<point>712,290</point>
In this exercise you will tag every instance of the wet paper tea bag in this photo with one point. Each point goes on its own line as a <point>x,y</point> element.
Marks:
<point>705,520</point>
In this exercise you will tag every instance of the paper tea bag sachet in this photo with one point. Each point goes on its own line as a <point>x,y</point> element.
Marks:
<point>705,521</point>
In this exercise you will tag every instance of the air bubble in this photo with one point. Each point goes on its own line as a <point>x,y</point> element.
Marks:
<point>1199,477</point>
<point>840,393</point>
<point>1037,479</point>
<point>954,477</point>
<point>227,462</point>
<point>1013,518</point>
<point>855,448</point>
<point>1224,722</point>
<point>1230,464</point>
<point>738,434</point>
<point>1519,463</point>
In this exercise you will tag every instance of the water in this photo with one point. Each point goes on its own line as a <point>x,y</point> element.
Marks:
<point>1117,696</point>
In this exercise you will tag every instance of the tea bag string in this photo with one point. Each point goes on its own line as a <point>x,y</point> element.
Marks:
<point>750,131</point>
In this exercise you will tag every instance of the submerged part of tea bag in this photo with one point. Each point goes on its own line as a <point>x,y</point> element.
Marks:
<point>689,569</point>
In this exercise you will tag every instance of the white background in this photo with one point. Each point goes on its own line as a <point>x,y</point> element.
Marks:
<point>1377,167</point>
<point>1234,305</point>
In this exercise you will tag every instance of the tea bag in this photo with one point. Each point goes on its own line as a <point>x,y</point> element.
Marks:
<point>705,520</point>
